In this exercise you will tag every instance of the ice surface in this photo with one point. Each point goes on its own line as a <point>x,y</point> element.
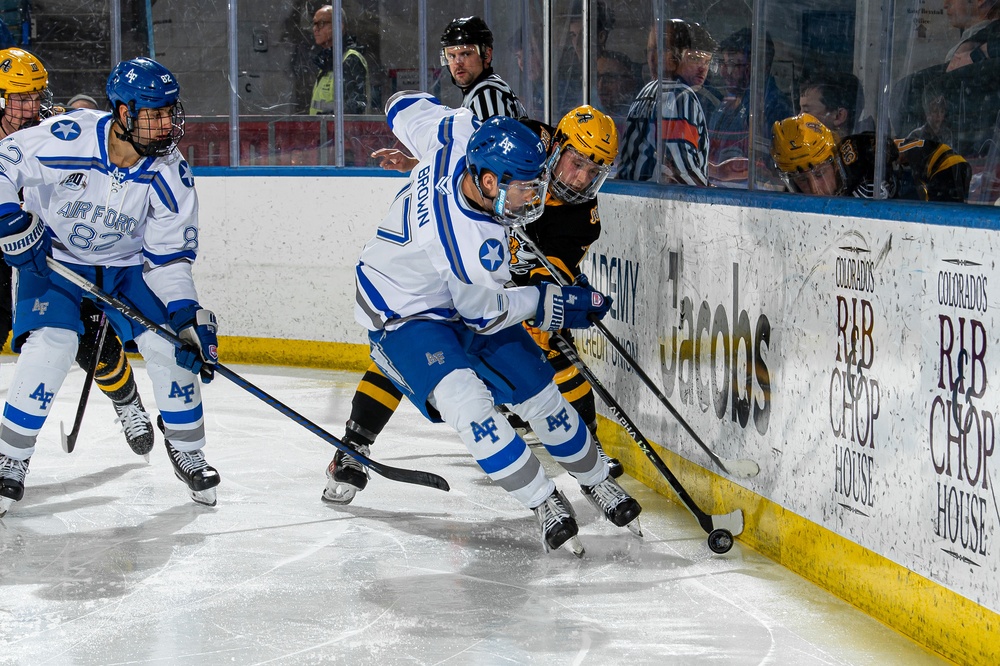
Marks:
<point>107,560</point>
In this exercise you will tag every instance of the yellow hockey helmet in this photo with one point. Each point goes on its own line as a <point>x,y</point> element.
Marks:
<point>21,72</point>
<point>800,143</point>
<point>585,146</point>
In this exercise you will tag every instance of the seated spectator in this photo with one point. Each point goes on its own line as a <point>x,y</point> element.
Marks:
<point>82,101</point>
<point>834,99</point>
<point>980,39</point>
<point>617,83</point>
<point>729,125</point>
<point>670,111</point>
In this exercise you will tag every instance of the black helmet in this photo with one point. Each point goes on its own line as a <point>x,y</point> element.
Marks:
<point>680,34</point>
<point>467,30</point>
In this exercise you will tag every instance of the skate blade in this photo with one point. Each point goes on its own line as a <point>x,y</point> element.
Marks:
<point>575,546</point>
<point>5,504</point>
<point>339,493</point>
<point>206,497</point>
<point>635,528</point>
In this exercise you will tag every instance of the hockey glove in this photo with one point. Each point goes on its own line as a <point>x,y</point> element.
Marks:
<point>196,326</point>
<point>569,307</point>
<point>25,242</point>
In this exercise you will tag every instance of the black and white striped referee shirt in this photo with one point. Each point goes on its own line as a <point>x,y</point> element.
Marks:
<point>490,96</point>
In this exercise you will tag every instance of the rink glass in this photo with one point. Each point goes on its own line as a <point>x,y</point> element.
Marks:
<point>246,69</point>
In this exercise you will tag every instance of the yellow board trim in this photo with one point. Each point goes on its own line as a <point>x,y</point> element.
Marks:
<point>930,614</point>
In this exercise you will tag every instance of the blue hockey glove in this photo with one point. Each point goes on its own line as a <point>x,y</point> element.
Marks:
<point>569,307</point>
<point>25,242</point>
<point>196,326</point>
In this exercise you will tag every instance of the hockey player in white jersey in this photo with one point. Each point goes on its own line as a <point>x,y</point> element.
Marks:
<point>445,328</point>
<point>109,196</point>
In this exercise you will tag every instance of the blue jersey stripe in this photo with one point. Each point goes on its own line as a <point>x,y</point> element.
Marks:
<point>161,259</point>
<point>505,457</point>
<point>446,231</point>
<point>373,295</point>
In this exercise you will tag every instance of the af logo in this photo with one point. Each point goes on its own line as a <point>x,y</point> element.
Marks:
<point>42,396</point>
<point>131,76</point>
<point>436,357</point>
<point>66,130</point>
<point>75,181</point>
<point>506,145</point>
<point>487,428</point>
<point>178,391</point>
<point>491,254</point>
<point>40,307</point>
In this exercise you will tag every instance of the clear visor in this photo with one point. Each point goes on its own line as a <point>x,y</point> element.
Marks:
<point>520,202</point>
<point>575,177</point>
<point>820,179</point>
<point>459,53</point>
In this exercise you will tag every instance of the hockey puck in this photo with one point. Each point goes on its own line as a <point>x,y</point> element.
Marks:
<point>720,541</point>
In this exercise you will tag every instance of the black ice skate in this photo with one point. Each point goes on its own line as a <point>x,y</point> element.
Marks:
<point>614,465</point>
<point>616,504</point>
<point>12,473</point>
<point>558,522</point>
<point>191,468</point>
<point>345,474</point>
<point>136,425</point>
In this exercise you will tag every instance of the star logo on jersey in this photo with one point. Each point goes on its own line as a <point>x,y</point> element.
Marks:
<point>186,176</point>
<point>67,130</point>
<point>491,254</point>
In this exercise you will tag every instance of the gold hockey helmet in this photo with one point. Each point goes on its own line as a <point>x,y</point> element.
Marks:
<point>585,146</point>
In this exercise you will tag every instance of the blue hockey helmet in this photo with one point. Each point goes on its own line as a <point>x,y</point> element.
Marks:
<point>142,83</point>
<point>516,155</point>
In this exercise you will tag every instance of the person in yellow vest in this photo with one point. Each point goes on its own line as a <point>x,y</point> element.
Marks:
<point>357,78</point>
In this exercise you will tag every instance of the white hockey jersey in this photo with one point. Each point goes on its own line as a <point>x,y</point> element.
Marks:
<point>434,255</point>
<point>99,214</point>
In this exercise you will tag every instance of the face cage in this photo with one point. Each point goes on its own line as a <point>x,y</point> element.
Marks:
<point>530,192</point>
<point>568,194</point>
<point>46,108</point>
<point>866,189</point>
<point>156,147</point>
<point>444,54</point>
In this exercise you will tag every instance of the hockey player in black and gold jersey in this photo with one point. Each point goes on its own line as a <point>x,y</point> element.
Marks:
<point>582,149</point>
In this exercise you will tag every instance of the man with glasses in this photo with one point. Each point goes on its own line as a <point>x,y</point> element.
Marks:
<point>666,130</point>
<point>357,79</point>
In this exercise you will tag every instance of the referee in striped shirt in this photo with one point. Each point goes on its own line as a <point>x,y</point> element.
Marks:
<point>671,110</point>
<point>467,51</point>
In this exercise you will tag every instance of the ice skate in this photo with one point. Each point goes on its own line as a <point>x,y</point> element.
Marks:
<point>12,473</point>
<point>345,475</point>
<point>558,523</point>
<point>617,505</point>
<point>136,425</point>
<point>614,465</point>
<point>191,468</point>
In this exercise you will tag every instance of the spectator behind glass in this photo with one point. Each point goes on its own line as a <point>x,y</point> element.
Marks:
<point>357,79</point>
<point>617,82</point>
<point>569,72</point>
<point>532,71</point>
<point>82,101</point>
<point>834,99</point>
<point>729,125</point>
<point>672,109</point>
<point>980,39</point>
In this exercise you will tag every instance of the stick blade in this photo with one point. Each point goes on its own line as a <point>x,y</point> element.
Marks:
<point>415,477</point>
<point>68,441</point>
<point>732,522</point>
<point>742,467</point>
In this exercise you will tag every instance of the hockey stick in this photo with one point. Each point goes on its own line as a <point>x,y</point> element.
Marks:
<point>720,528</point>
<point>69,441</point>
<point>394,473</point>
<point>741,467</point>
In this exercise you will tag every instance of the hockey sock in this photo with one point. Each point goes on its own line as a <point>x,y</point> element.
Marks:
<point>375,401</point>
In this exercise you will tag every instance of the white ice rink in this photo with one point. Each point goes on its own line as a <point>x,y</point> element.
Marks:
<point>107,561</point>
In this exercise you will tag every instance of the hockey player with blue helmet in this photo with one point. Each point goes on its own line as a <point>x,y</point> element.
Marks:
<point>445,328</point>
<point>110,197</point>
